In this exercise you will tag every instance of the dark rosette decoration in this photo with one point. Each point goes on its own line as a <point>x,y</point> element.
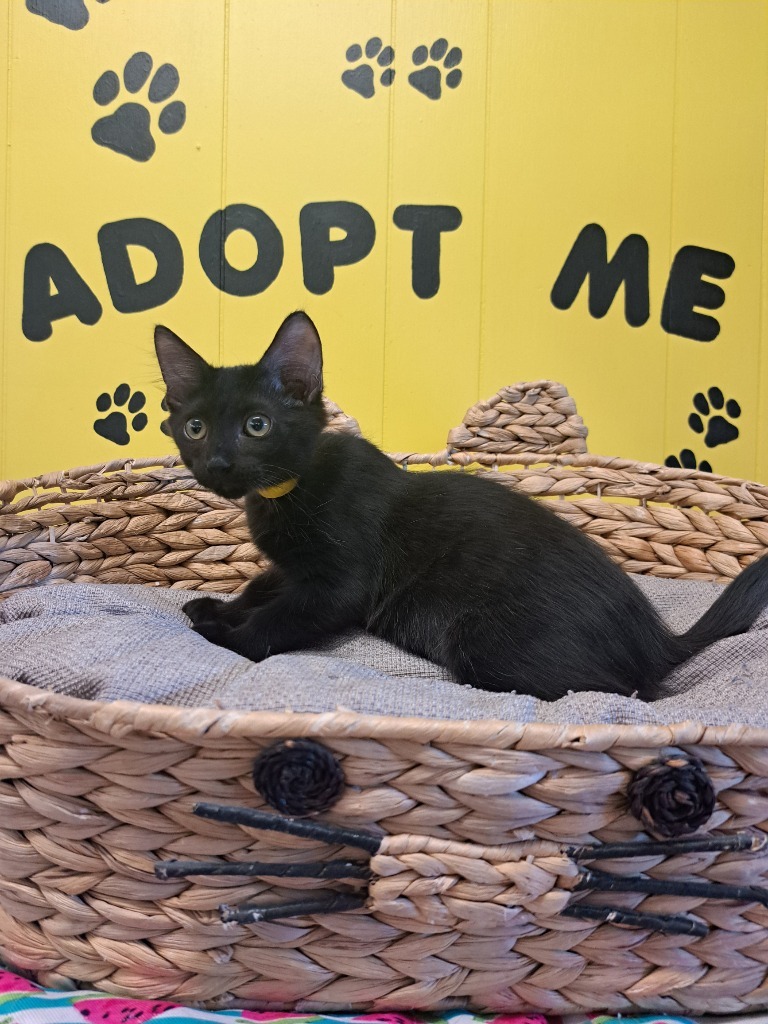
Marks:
<point>672,797</point>
<point>298,777</point>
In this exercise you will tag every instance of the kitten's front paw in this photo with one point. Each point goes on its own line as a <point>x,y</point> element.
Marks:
<point>203,609</point>
<point>215,631</point>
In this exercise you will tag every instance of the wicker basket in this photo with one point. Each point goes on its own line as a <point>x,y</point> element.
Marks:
<point>473,890</point>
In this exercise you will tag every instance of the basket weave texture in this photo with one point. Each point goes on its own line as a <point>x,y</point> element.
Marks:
<point>470,883</point>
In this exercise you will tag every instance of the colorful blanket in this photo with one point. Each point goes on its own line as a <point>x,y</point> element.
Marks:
<point>22,1002</point>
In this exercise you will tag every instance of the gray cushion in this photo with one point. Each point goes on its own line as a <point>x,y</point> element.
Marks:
<point>109,642</point>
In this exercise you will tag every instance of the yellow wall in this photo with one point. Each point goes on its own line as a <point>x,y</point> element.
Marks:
<point>645,117</point>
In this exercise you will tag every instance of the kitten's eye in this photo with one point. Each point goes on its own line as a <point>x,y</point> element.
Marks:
<point>258,426</point>
<point>195,429</point>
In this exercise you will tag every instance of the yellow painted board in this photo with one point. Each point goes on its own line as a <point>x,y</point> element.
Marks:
<point>5,15</point>
<point>762,434</point>
<point>762,464</point>
<point>308,123</point>
<point>64,187</point>
<point>644,117</point>
<point>437,159</point>
<point>719,167</point>
<point>580,133</point>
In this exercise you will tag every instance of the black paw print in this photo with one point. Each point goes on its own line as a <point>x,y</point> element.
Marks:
<point>127,129</point>
<point>687,460</point>
<point>115,426</point>
<point>69,13</point>
<point>429,79</point>
<point>719,429</point>
<point>361,78</point>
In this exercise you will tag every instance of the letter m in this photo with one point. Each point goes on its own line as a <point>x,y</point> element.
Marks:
<point>589,259</point>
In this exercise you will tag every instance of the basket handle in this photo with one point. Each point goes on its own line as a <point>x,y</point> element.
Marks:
<point>338,419</point>
<point>535,416</point>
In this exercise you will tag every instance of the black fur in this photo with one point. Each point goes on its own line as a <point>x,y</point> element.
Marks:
<point>464,571</point>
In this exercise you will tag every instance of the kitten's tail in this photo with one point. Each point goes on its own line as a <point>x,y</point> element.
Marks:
<point>733,612</point>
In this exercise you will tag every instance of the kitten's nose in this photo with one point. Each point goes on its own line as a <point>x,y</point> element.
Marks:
<point>219,462</point>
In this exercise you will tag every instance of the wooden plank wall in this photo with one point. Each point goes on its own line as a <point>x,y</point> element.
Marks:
<point>525,120</point>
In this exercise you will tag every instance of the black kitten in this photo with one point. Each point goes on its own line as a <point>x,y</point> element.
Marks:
<point>458,569</point>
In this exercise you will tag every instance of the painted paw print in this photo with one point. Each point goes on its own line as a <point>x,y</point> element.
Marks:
<point>69,13</point>
<point>428,80</point>
<point>687,460</point>
<point>719,430</point>
<point>362,78</point>
<point>114,427</point>
<point>127,129</point>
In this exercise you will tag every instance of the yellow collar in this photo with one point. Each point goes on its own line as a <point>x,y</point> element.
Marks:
<point>278,490</point>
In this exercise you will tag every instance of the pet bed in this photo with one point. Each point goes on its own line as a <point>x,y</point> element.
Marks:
<point>375,861</point>
<point>22,1002</point>
<point>127,642</point>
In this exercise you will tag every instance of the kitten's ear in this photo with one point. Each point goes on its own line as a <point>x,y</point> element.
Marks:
<point>182,368</point>
<point>295,358</point>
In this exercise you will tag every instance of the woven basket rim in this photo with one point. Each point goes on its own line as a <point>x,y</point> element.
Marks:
<point>56,478</point>
<point>195,724</point>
